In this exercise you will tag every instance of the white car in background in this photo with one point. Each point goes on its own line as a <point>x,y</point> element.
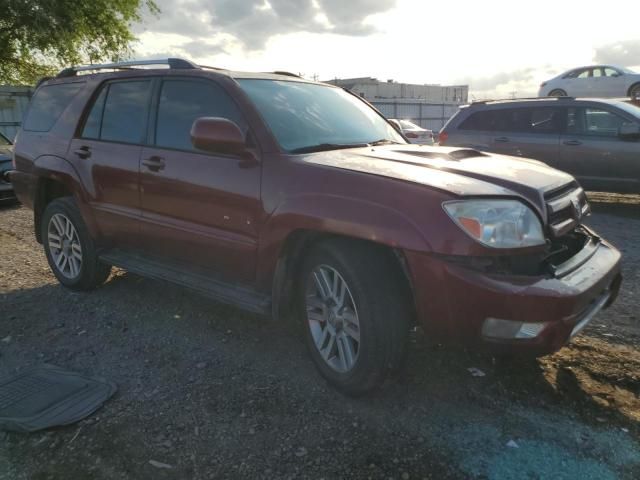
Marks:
<point>593,81</point>
<point>415,133</point>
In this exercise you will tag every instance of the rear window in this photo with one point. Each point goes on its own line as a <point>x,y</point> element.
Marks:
<point>48,104</point>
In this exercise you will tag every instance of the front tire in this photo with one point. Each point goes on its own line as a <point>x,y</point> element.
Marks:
<point>634,91</point>
<point>69,248</point>
<point>558,92</point>
<point>356,313</point>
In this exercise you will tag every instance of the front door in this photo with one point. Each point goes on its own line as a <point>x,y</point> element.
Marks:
<point>107,155</point>
<point>592,151</point>
<point>199,209</point>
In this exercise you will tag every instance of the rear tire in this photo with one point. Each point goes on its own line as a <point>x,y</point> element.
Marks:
<point>557,92</point>
<point>69,248</point>
<point>357,330</point>
<point>634,91</point>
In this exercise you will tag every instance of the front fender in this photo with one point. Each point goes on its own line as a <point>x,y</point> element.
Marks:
<point>337,215</point>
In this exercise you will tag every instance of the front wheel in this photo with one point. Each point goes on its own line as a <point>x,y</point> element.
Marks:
<point>634,92</point>
<point>356,314</point>
<point>558,92</point>
<point>69,248</point>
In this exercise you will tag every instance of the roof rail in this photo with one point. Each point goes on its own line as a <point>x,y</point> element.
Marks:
<point>479,102</point>
<point>288,74</point>
<point>176,63</point>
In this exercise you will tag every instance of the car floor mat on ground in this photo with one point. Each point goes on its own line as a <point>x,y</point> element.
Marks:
<point>48,396</point>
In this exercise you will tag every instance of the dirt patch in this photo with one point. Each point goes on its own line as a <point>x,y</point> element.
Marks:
<point>207,391</point>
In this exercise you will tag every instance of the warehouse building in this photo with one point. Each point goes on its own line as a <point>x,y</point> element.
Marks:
<point>430,106</point>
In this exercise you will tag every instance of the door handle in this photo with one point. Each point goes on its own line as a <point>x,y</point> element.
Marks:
<point>154,163</point>
<point>83,152</point>
<point>572,142</point>
<point>501,139</point>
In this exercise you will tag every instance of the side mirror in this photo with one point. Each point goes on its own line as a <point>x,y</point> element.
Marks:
<point>629,131</point>
<point>219,135</point>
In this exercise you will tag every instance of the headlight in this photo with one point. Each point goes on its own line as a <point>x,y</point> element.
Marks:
<point>497,223</point>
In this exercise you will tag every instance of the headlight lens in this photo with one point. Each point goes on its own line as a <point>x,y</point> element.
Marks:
<point>497,223</point>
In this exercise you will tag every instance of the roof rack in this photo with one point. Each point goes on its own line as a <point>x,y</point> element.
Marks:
<point>288,74</point>
<point>479,102</point>
<point>175,63</point>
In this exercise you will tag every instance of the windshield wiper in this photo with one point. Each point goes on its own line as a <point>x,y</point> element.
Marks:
<point>322,147</point>
<point>384,141</point>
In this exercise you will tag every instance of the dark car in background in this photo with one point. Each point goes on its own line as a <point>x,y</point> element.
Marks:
<point>6,189</point>
<point>595,140</point>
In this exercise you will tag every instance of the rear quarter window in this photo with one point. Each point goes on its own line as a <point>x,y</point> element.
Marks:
<point>48,104</point>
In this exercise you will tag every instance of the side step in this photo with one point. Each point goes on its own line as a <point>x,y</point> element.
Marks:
<point>232,294</point>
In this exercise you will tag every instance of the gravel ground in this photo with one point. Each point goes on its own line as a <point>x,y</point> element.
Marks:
<point>211,392</point>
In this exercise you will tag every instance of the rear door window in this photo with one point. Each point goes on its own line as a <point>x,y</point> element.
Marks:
<point>182,102</point>
<point>48,104</point>
<point>516,120</point>
<point>126,109</point>
<point>120,112</point>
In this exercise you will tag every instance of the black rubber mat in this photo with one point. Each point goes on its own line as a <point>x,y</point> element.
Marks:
<point>48,396</point>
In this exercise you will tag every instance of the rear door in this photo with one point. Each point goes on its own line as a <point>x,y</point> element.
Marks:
<point>198,209</point>
<point>593,152</point>
<point>107,153</point>
<point>579,83</point>
<point>529,132</point>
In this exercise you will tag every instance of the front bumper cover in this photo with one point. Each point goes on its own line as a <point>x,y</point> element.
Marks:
<point>453,302</point>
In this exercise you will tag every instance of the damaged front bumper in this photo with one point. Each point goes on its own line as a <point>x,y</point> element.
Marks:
<point>536,307</point>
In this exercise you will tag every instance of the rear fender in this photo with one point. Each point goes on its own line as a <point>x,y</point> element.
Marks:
<point>57,169</point>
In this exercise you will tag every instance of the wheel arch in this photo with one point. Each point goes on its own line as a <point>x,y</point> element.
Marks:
<point>57,178</point>
<point>291,258</point>
<point>633,85</point>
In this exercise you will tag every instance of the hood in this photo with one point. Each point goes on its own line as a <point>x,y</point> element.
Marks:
<point>461,172</point>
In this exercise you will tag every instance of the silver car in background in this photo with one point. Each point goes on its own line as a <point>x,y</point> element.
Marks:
<point>595,81</point>
<point>595,140</point>
<point>414,133</point>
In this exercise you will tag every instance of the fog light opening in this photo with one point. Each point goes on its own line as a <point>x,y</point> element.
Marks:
<point>497,328</point>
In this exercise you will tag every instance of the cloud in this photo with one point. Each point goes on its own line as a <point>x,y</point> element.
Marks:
<point>251,23</point>
<point>521,82</point>
<point>625,53</point>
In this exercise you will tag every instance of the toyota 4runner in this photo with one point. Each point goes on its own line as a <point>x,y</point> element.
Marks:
<point>297,199</point>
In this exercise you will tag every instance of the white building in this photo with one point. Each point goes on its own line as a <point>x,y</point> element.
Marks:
<point>430,106</point>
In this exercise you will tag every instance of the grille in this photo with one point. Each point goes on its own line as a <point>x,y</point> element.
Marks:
<point>566,206</point>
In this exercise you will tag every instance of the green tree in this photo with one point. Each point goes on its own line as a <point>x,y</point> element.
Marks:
<point>37,37</point>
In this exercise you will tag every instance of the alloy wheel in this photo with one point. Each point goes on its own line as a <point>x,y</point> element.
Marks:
<point>64,246</point>
<point>332,318</point>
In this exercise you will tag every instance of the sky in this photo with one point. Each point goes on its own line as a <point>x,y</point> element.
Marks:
<point>498,48</point>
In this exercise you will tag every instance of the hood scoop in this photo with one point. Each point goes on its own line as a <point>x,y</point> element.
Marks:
<point>452,155</point>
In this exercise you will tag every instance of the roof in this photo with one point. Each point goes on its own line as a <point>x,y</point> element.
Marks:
<point>610,101</point>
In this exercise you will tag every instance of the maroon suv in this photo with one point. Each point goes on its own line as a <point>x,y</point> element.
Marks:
<point>293,198</point>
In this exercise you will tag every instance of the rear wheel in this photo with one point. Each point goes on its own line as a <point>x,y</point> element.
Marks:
<point>634,91</point>
<point>69,248</point>
<point>558,92</point>
<point>356,314</point>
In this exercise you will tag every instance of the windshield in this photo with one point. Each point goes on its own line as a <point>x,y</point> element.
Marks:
<point>307,115</point>
<point>4,140</point>
<point>407,125</point>
<point>629,108</point>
